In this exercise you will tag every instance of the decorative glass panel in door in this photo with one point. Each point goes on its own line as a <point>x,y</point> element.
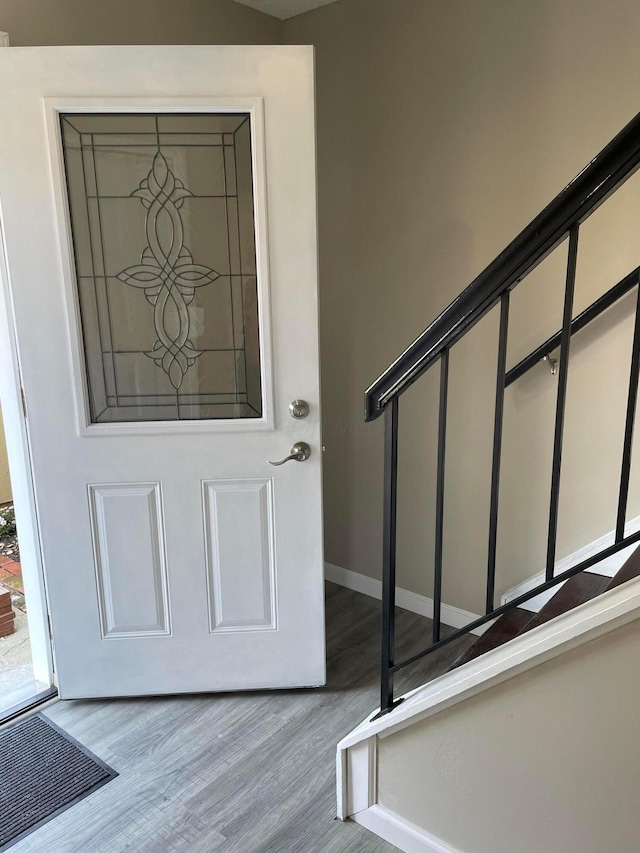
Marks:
<point>162,217</point>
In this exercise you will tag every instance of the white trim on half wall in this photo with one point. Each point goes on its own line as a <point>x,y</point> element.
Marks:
<point>403,834</point>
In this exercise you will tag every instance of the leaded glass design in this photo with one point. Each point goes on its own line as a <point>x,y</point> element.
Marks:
<point>162,218</point>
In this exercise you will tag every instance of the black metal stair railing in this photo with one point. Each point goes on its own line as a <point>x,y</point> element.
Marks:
<point>558,221</point>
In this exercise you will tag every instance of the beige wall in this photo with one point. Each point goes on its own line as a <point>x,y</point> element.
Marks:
<point>443,128</point>
<point>42,22</point>
<point>548,761</point>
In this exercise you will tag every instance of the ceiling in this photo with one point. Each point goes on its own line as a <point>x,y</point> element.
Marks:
<point>284,8</point>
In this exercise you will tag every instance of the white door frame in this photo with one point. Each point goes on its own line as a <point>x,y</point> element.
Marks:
<point>17,442</point>
<point>19,455</point>
<point>18,452</point>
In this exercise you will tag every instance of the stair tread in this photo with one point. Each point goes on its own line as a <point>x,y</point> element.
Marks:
<point>577,590</point>
<point>505,628</point>
<point>629,570</point>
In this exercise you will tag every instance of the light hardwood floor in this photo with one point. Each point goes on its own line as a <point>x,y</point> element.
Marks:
<point>240,773</point>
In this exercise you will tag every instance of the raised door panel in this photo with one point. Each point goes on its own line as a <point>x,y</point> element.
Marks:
<point>131,568</point>
<point>239,521</point>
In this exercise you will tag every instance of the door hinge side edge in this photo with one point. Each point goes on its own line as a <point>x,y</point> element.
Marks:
<point>50,631</point>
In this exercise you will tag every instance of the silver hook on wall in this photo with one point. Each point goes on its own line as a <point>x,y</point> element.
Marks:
<point>553,364</point>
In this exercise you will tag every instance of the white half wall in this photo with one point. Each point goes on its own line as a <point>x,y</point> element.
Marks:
<point>547,761</point>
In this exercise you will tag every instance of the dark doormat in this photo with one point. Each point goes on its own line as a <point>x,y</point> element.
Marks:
<point>43,771</point>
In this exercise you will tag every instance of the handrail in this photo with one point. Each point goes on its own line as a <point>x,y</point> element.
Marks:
<point>613,165</point>
<point>583,319</point>
<point>562,218</point>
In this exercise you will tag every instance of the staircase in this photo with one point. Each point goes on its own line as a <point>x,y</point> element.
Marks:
<point>569,607</point>
<point>576,591</point>
<point>559,222</point>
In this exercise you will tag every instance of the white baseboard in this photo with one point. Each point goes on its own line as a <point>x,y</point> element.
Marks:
<point>607,567</point>
<point>402,833</point>
<point>353,580</point>
<point>412,601</point>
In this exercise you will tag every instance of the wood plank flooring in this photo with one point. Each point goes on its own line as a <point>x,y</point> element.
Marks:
<point>235,773</point>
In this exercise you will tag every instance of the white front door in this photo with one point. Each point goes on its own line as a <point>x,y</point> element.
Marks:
<point>159,216</point>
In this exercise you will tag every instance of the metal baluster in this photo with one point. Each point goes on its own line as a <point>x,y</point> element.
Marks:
<point>565,342</point>
<point>389,552</point>
<point>583,319</point>
<point>630,421</point>
<point>442,431</point>
<point>497,448</point>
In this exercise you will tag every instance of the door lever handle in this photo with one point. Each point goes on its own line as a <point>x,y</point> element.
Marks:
<point>300,452</point>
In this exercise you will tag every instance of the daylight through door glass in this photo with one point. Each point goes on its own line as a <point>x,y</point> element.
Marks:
<point>162,218</point>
